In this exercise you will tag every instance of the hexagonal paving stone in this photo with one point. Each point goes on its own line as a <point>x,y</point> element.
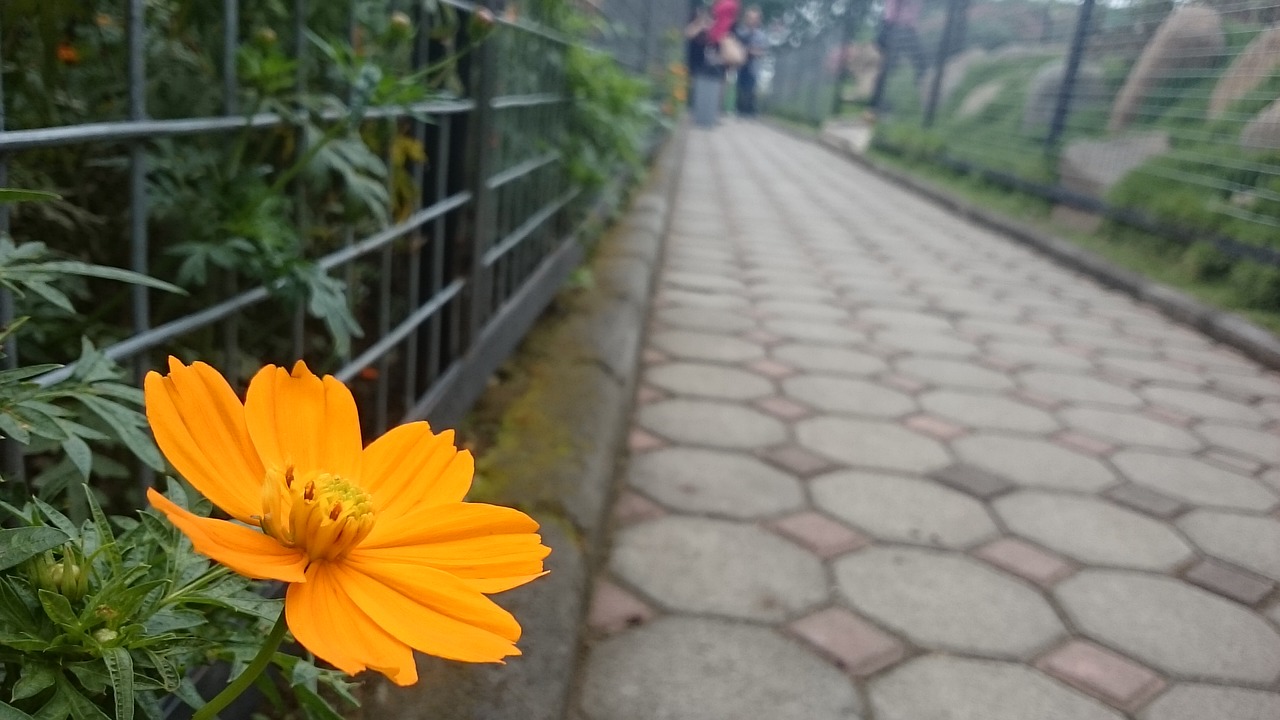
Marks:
<point>1172,626</point>
<point>953,374</point>
<point>691,298</point>
<point>901,319</point>
<point>707,422</point>
<point>696,565</point>
<point>1035,463</point>
<point>801,310</point>
<point>1259,444</point>
<point>698,379</point>
<point>1265,386</point>
<point>1037,355</point>
<point>947,601</point>
<point>938,687</point>
<point>705,346</point>
<point>732,484</point>
<point>925,342</point>
<point>1006,330</point>
<point>1128,428</point>
<point>819,331</point>
<point>700,281</point>
<point>823,358</point>
<point>680,668</point>
<point>836,394</point>
<point>1202,702</point>
<point>904,509</point>
<point>1203,404</point>
<point>706,319</point>
<point>1078,388</point>
<point>1250,541</point>
<point>1093,531</point>
<point>1151,370</point>
<point>988,412</point>
<point>864,443</point>
<point>1194,481</point>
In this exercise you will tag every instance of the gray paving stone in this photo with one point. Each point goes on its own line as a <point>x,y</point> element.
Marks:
<point>947,601</point>
<point>768,290</point>
<point>1006,330</point>
<point>1172,626</point>
<point>1202,405</point>
<point>801,310</point>
<point>1079,388</point>
<point>1151,370</point>
<point>705,346</point>
<point>938,687</point>
<point>953,374</point>
<point>702,380</point>
<point>845,395</point>
<point>905,320</point>
<point>705,319</point>
<point>1259,444</point>
<point>1261,386</point>
<point>1093,531</point>
<point>926,342</point>
<point>904,509</point>
<point>1213,702</point>
<point>1037,355</point>
<point>1034,463</point>
<point>714,300</point>
<point>696,565</point>
<point>701,669</point>
<point>988,412</point>
<point>824,358</point>
<point>1193,480</point>
<point>710,481</point>
<point>871,444</point>
<point>1218,357</point>
<point>1129,428</point>
<point>708,422</point>
<point>826,332</point>
<point>1250,541</point>
<point>702,281</point>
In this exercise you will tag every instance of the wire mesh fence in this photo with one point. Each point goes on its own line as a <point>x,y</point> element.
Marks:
<point>440,226</point>
<point>1158,114</point>
<point>801,80</point>
<point>641,34</point>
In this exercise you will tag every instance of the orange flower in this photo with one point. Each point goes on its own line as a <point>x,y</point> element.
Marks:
<point>381,553</point>
<point>68,54</point>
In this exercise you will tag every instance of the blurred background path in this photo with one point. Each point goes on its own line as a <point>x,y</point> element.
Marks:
<point>885,464</point>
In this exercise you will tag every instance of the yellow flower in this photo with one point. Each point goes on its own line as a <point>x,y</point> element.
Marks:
<point>381,553</point>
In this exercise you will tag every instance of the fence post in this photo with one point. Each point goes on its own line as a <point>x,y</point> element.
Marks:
<point>482,140</point>
<point>1066,89</point>
<point>952,37</point>
<point>854,16</point>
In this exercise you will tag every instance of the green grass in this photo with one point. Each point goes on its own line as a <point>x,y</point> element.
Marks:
<point>1157,258</point>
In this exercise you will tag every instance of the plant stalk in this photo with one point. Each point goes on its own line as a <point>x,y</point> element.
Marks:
<point>250,674</point>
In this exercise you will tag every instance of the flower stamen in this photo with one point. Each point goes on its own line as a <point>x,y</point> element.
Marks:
<point>325,516</point>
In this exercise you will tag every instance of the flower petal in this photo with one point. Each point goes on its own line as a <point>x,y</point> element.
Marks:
<point>328,623</point>
<point>200,427</point>
<point>431,610</point>
<point>409,467</point>
<point>443,523</point>
<point>300,420</point>
<point>499,558</point>
<point>492,585</point>
<point>243,549</point>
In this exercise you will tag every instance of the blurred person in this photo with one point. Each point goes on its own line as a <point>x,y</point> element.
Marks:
<point>898,36</point>
<point>708,31</point>
<point>751,34</point>
<point>695,45</point>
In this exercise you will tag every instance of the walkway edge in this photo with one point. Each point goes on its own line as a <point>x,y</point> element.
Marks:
<point>559,462</point>
<point>1226,327</point>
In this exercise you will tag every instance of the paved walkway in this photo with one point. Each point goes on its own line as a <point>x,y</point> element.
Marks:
<point>885,464</point>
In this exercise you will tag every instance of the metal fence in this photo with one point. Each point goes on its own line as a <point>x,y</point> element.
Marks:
<point>444,293</point>
<point>801,80</point>
<point>641,33</point>
<point>1163,116</point>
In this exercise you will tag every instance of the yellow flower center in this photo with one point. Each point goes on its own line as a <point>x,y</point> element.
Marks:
<point>322,514</point>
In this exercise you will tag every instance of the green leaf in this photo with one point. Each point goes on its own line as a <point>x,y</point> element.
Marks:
<point>56,517</point>
<point>123,421</point>
<point>106,538</point>
<point>13,195</point>
<point>75,267</point>
<point>35,679</point>
<point>315,706</point>
<point>9,712</point>
<point>13,429</point>
<point>79,454</point>
<point>56,709</point>
<point>18,545</point>
<point>166,669</point>
<point>81,707</point>
<point>58,608</point>
<point>13,607</point>
<point>120,664</point>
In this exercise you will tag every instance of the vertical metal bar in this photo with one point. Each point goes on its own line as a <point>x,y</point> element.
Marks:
<point>484,136</point>
<point>439,228</point>
<point>1066,89</point>
<point>414,289</point>
<point>231,106</point>
<point>303,216</point>
<point>13,468</point>
<point>138,241</point>
<point>384,296</point>
<point>945,46</point>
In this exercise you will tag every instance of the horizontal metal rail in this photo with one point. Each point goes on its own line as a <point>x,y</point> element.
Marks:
<point>529,100</point>
<point>399,333</point>
<point>528,226</point>
<point>527,167</point>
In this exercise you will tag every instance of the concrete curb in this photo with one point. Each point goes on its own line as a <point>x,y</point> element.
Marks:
<point>561,465</point>
<point>1225,327</point>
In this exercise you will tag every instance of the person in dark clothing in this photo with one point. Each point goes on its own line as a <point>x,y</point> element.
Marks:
<point>897,37</point>
<point>695,45</point>
<point>751,35</point>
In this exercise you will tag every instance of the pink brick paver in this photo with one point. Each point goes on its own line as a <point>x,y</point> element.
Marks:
<point>845,557</point>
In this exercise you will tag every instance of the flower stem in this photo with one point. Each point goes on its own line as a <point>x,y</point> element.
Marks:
<point>246,678</point>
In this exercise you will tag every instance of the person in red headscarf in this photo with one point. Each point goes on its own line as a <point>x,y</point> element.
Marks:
<point>724,14</point>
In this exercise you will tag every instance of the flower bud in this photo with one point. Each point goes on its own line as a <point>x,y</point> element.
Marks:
<point>401,27</point>
<point>265,38</point>
<point>105,636</point>
<point>67,576</point>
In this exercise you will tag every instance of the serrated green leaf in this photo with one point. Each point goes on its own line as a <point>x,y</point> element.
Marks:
<point>18,545</point>
<point>9,712</point>
<point>120,664</point>
<point>56,517</point>
<point>34,679</point>
<point>92,676</point>
<point>58,608</point>
<point>166,669</point>
<point>315,706</point>
<point>81,707</point>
